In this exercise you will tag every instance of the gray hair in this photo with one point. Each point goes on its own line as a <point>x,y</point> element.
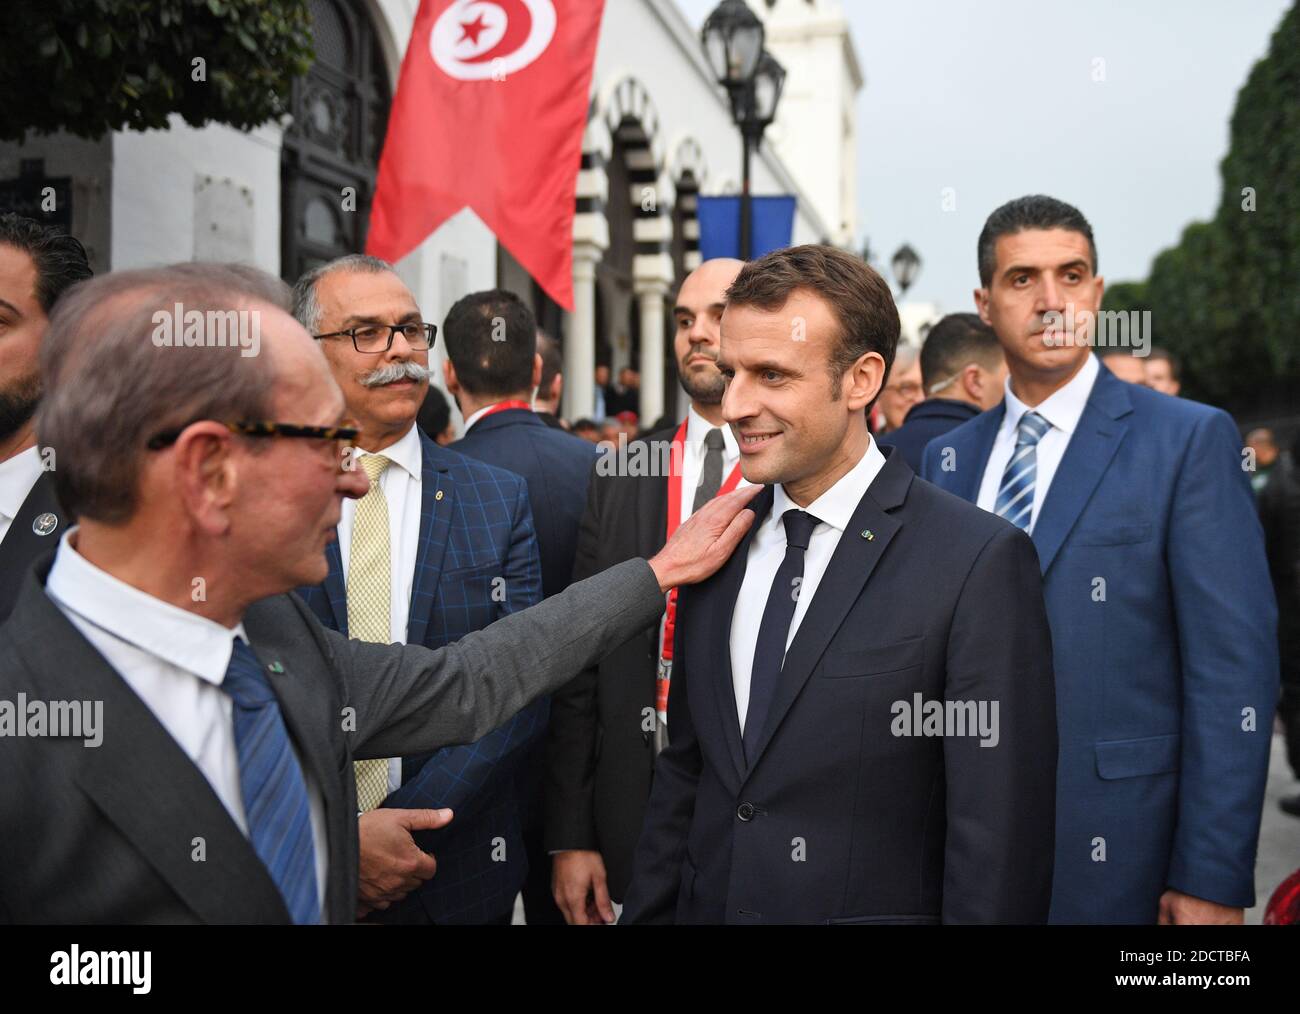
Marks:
<point>110,386</point>
<point>306,308</point>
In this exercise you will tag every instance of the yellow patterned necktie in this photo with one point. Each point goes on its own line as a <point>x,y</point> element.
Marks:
<point>368,602</point>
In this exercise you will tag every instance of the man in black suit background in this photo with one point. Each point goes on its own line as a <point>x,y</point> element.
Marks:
<point>862,715</point>
<point>36,265</point>
<point>963,372</point>
<point>602,735</point>
<point>492,369</point>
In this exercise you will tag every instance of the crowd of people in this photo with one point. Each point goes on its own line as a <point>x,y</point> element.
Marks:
<point>984,631</point>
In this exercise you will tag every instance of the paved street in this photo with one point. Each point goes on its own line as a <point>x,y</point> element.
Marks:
<point>1279,834</point>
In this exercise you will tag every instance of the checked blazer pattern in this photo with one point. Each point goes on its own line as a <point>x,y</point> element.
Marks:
<point>477,561</point>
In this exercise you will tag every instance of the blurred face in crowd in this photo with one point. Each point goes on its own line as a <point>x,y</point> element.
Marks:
<point>22,323</point>
<point>628,378</point>
<point>602,376</point>
<point>1160,377</point>
<point>383,390</point>
<point>1264,445</point>
<point>1128,368</point>
<point>698,320</point>
<point>977,384</point>
<point>1039,271</point>
<point>902,392</point>
<point>796,423</point>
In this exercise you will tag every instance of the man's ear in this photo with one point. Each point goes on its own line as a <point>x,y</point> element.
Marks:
<point>973,381</point>
<point>206,476</point>
<point>537,372</point>
<point>982,305</point>
<point>865,377</point>
<point>449,375</point>
<point>557,387</point>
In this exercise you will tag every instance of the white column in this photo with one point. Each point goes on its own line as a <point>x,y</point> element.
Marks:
<point>650,296</point>
<point>580,344</point>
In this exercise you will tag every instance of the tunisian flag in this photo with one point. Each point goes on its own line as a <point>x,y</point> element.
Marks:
<point>489,114</point>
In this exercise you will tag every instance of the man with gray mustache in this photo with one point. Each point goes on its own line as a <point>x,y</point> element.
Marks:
<point>440,546</point>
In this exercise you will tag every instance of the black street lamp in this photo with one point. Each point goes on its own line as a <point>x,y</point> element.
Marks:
<point>906,264</point>
<point>733,44</point>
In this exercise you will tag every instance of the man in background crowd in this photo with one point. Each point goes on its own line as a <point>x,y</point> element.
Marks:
<point>37,264</point>
<point>439,546</point>
<point>1163,372</point>
<point>434,417</point>
<point>626,396</point>
<point>604,726</point>
<point>903,388</point>
<point>1123,364</point>
<point>963,371</point>
<point>1264,446</point>
<point>546,403</point>
<point>492,368</point>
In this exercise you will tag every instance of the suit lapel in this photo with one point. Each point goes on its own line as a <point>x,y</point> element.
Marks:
<point>847,573</point>
<point>978,445</point>
<point>723,597</point>
<point>437,498</point>
<point>23,541</point>
<point>1090,450</point>
<point>146,786</point>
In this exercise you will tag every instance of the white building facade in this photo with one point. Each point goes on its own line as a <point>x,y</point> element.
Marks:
<point>286,197</point>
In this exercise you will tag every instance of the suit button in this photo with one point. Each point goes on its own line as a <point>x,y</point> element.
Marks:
<point>745,811</point>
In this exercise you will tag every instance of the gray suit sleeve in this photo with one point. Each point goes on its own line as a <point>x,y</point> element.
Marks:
<point>410,699</point>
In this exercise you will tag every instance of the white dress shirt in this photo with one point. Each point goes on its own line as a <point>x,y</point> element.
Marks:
<point>175,661</point>
<point>17,477</point>
<point>402,484</point>
<point>1063,410</point>
<point>833,510</point>
<point>693,451</point>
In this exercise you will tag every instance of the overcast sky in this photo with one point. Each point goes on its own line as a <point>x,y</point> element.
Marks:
<point>996,99</point>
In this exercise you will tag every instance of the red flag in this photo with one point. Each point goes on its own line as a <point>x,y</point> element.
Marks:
<point>489,114</point>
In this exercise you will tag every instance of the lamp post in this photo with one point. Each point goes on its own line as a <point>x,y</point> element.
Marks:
<point>732,37</point>
<point>906,264</point>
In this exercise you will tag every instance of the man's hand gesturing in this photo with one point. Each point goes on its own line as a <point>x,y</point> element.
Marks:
<point>392,865</point>
<point>703,544</point>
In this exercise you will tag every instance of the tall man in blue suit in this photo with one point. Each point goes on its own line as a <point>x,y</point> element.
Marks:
<point>1163,621</point>
<point>493,367</point>
<point>442,545</point>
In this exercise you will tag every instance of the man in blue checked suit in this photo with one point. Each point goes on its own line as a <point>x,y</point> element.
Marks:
<point>440,546</point>
<point>1163,620</point>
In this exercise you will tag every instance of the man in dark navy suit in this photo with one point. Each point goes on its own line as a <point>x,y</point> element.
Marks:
<point>861,718</point>
<point>440,546</point>
<point>36,265</point>
<point>493,369</point>
<point>1163,620</point>
<point>962,371</point>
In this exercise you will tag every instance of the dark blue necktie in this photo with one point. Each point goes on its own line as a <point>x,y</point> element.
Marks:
<point>273,787</point>
<point>769,650</point>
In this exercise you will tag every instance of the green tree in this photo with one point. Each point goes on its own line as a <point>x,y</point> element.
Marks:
<point>93,66</point>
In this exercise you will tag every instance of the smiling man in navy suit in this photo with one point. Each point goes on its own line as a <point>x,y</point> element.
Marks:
<point>1163,620</point>
<point>861,719</point>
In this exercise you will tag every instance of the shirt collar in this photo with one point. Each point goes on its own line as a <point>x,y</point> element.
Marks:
<point>405,453</point>
<point>181,638</point>
<point>836,506</point>
<point>697,427</point>
<point>17,477</point>
<point>1064,407</point>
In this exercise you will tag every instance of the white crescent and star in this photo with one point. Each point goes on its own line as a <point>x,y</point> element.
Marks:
<point>476,40</point>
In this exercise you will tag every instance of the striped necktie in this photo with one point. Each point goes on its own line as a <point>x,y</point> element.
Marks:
<point>368,602</point>
<point>1015,500</point>
<point>272,785</point>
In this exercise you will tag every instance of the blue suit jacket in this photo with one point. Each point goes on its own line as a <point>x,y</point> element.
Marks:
<point>477,561</point>
<point>1164,640</point>
<point>925,421</point>
<point>557,466</point>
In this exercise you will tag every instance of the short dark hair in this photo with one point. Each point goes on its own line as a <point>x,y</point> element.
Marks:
<point>1175,367</point>
<point>435,413</point>
<point>491,339</point>
<point>954,342</point>
<point>1036,211</point>
<point>858,296</point>
<point>585,424</point>
<point>552,359</point>
<point>60,259</point>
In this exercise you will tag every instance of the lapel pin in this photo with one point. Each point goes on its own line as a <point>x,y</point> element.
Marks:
<point>276,668</point>
<point>45,523</point>
<point>438,495</point>
<point>868,534</point>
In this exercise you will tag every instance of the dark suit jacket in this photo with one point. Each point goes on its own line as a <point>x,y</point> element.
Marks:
<point>838,817</point>
<point>925,421</point>
<point>1164,630</point>
<point>556,466</point>
<point>23,543</point>
<point>477,561</point>
<point>107,834</point>
<point>599,758</point>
